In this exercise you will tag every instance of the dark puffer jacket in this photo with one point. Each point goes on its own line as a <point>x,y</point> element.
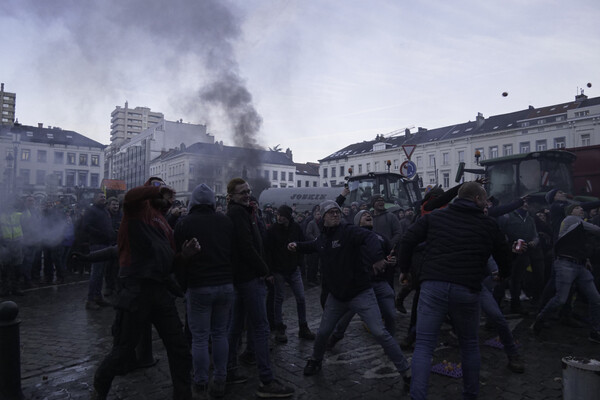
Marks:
<point>343,250</point>
<point>211,266</point>
<point>248,255</point>
<point>459,240</point>
<point>279,258</point>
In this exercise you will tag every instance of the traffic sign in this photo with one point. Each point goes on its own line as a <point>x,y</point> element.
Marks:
<point>408,169</point>
<point>409,149</point>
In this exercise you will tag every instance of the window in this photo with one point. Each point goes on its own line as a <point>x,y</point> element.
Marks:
<point>461,156</point>
<point>306,183</point>
<point>376,166</point>
<point>541,121</point>
<point>95,160</point>
<point>585,139</point>
<point>94,180</point>
<point>282,176</point>
<point>582,113</point>
<point>274,175</point>
<point>368,167</point>
<point>59,157</point>
<point>83,159</point>
<point>540,145</point>
<point>333,172</point>
<point>25,154</point>
<point>71,161</point>
<point>431,178</point>
<point>70,180</point>
<point>419,161</point>
<point>559,143</point>
<point>524,147</point>
<point>446,176</point>
<point>360,165</point>
<point>493,151</point>
<point>507,150</point>
<point>41,156</point>
<point>315,184</point>
<point>341,170</point>
<point>266,174</point>
<point>396,165</point>
<point>432,160</point>
<point>481,153</point>
<point>290,176</point>
<point>40,177</point>
<point>24,176</point>
<point>82,178</point>
<point>59,177</point>
<point>325,172</point>
<point>299,183</point>
<point>445,159</point>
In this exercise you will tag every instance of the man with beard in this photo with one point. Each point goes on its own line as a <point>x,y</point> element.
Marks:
<point>146,259</point>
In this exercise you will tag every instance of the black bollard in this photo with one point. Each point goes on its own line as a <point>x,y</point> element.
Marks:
<point>10,351</point>
<point>143,350</point>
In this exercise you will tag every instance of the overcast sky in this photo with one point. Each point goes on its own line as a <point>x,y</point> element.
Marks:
<point>314,76</point>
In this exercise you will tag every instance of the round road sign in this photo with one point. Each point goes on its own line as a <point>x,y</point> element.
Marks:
<point>408,169</point>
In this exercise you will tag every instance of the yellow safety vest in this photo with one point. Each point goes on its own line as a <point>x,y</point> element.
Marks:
<point>11,226</point>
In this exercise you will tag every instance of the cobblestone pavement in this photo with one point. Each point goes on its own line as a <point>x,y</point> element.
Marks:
<point>62,344</point>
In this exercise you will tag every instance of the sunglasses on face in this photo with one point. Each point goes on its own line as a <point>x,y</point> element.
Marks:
<point>158,183</point>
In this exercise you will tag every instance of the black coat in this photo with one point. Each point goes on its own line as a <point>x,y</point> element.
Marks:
<point>212,266</point>
<point>279,258</point>
<point>459,240</point>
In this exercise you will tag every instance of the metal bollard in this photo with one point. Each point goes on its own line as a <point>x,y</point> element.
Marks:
<point>143,350</point>
<point>10,352</point>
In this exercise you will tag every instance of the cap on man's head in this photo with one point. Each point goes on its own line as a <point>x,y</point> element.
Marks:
<point>376,198</point>
<point>358,216</point>
<point>285,211</point>
<point>202,194</point>
<point>329,205</point>
<point>550,196</point>
<point>569,209</point>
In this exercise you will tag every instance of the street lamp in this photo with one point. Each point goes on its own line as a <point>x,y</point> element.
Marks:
<point>10,161</point>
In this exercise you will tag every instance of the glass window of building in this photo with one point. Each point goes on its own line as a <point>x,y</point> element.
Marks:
<point>333,172</point>
<point>274,175</point>
<point>25,154</point>
<point>559,143</point>
<point>541,145</point>
<point>524,147</point>
<point>585,139</point>
<point>83,159</point>
<point>41,156</point>
<point>40,177</point>
<point>71,159</point>
<point>461,156</point>
<point>507,150</point>
<point>95,160</point>
<point>59,157</point>
<point>493,151</point>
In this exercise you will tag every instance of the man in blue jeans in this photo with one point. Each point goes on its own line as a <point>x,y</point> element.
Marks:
<point>458,240</point>
<point>285,267</point>
<point>572,266</point>
<point>347,254</point>
<point>249,272</point>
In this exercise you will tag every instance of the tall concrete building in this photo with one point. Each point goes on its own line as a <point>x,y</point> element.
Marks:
<point>129,161</point>
<point>127,122</point>
<point>8,103</point>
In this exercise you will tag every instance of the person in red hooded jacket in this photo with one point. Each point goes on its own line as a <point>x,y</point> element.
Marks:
<point>146,259</point>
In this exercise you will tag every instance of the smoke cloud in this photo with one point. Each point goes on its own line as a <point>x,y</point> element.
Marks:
<point>181,49</point>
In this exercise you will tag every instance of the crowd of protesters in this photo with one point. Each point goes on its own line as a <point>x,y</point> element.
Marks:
<point>458,251</point>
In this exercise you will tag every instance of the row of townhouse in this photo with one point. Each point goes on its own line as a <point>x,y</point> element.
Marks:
<point>48,159</point>
<point>438,152</point>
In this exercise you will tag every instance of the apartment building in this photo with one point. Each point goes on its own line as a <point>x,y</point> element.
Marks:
<point>127,122</point>
<point>8,103</point>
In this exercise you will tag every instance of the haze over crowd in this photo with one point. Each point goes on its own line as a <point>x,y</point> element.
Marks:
<point>311,76</point>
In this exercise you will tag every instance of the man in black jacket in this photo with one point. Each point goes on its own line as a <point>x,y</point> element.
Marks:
<point>249,272</point>
<point>459,240</point>
<point>348,253</point>
<point>98,226</point>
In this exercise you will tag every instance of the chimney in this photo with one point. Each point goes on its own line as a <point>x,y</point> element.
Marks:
<point>40,124</point>
<point>480,119</point>
<point>581,96</point>
<point>288,153</point>
<point>2,87</point>
<point>421,130</point>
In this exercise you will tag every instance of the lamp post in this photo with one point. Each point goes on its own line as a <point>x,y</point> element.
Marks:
<point>8,171</point>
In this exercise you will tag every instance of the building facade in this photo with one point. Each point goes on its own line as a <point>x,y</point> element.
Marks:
<point>8,102</point>
<point>214,164</point>
<point>130,160</point>
<point>438,152</point>
<point>125,122</point>
<point>49,160</point>
<point>307,175</point>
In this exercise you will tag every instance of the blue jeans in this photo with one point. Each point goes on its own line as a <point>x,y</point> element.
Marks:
<point>437,300</point>
<point>365,305</point>
<point>568,273</point>
<point>250,302</point>
<point>208,309</point>
<point>385,299</point>
<point>295,282</point>
<point>494,314</point>
<point>96,276</point>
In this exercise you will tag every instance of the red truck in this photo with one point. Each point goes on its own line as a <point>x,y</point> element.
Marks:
<point>586,171</point>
